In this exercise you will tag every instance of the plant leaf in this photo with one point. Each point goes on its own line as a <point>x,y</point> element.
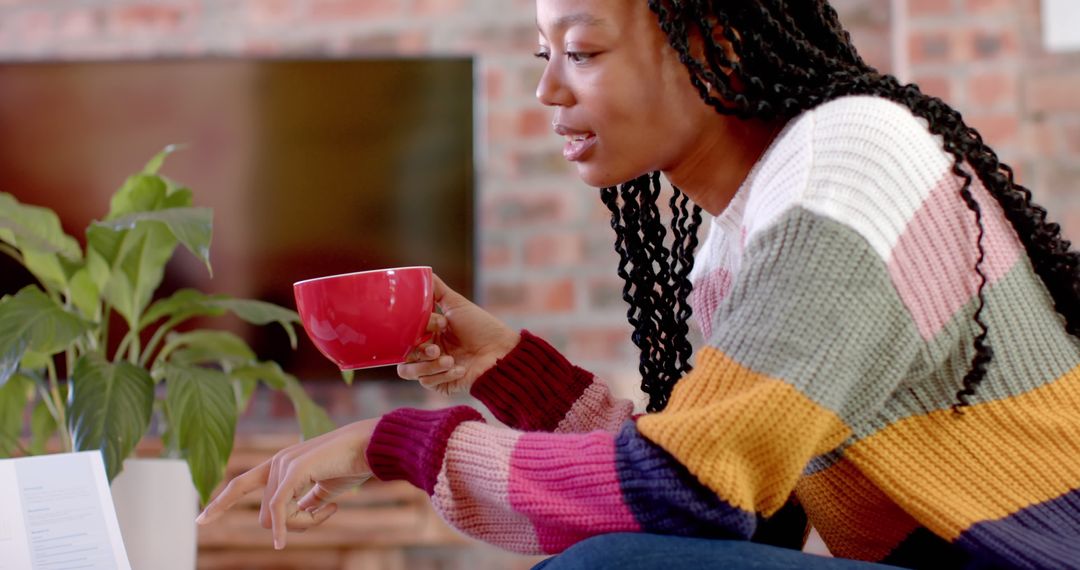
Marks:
<point>140,193</point>
<point>42,426</point>
<point>137,261</point>
<point>33,321</point>
<point>182,305</point>
<point>154,165</point>
<point>202,410</point>
<point>109,408</point>
<point>261,313</point>
<point>10,357</point>
<point>312,418</point>
<point>14,396</point>
<point>35,228</point>
<point>192,227</point>
<point>85,294</point>
<point>188,303</point>
<point>208,347</point>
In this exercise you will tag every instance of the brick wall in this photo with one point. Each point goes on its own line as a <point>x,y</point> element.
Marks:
<point>987,58</point>
<point>546,260</point>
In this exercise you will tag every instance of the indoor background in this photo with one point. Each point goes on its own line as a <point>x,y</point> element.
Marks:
<point>543,248</point>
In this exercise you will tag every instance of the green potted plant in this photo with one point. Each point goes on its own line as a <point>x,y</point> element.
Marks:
<point>55,337</point>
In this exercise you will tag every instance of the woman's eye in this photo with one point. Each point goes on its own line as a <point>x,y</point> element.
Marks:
<point>542,54</point>
<point>578,57</point>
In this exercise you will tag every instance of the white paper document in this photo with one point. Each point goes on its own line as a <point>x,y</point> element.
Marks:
<point>56,513</point>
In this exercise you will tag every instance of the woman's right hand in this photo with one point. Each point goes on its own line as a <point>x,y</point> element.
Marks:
<point>467,341</point>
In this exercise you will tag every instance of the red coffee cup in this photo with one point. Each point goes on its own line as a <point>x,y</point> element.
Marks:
<point>369,318</point>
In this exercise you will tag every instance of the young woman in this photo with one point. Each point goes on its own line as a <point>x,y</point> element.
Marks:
<point>891,325</point>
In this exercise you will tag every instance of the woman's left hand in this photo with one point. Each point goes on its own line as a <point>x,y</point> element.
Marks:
<point>333,462</point>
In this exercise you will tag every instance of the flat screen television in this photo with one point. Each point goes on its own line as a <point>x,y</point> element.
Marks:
<point>312,167</point>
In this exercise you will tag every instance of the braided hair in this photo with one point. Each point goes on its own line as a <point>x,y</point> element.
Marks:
<point>783,57</point>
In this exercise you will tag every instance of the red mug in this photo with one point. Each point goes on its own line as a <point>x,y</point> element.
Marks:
<point>369,318</point>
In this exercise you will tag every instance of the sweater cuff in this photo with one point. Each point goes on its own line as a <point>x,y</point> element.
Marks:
<point>410,444</point>
<point>533,387</point>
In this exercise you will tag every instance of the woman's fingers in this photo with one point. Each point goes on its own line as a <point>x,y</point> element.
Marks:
<point>435,381</point>
<point>423,353</point>
<point>283,504</point>
<point>237,488</point>
<point>301,520</point>
<point>422,370</point>
<point>436,323</point>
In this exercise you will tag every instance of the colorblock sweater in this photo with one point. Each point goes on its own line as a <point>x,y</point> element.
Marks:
<point>836,294</point>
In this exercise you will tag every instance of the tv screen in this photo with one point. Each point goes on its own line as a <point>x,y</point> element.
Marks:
<point>312,167</point>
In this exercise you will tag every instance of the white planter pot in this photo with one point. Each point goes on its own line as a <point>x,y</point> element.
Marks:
<point>156,504</point>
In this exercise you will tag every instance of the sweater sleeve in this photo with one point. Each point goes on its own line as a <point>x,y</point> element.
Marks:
<point>534,388</point>
<point>812,338</point>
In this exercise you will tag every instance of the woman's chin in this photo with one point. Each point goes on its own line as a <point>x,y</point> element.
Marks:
<point>598,177</point>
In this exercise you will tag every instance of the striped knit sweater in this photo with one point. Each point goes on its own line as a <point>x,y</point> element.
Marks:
<point>836,294</point>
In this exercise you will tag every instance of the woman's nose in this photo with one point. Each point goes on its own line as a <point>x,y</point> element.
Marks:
<point>551,90</point>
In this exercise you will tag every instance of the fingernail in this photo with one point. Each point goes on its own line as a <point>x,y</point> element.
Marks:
<point>278,545</point>
<point>458,371</point>
<point>431,350</point>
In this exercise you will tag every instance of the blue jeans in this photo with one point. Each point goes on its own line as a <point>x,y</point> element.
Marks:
<point>631,551</point>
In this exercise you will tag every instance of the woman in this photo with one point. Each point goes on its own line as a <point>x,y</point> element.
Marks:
<point>892,325</point>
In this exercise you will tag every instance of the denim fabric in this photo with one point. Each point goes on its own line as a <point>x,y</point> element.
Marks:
<point>633,551</point>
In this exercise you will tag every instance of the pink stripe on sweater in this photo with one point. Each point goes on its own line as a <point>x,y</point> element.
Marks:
<point>933,263</point>
<point>596,409</point>
<point>568,487</point>
<point>472,490</point>
<point>707,295</point>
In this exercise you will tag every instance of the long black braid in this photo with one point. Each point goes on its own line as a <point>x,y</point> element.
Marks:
<point>789,56</point>
<point>656,280</point>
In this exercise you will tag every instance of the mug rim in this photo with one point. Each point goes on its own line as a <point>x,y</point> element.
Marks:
<point>384,270</point>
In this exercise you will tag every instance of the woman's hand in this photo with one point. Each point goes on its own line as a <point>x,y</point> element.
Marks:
<point>468,340</point>
<point>334,462</point>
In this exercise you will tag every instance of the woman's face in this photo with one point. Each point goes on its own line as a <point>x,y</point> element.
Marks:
<point>622,99</point>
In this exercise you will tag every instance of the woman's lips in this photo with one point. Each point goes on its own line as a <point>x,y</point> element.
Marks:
<point>578,143</point>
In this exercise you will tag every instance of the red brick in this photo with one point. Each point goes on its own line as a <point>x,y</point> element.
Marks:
<point>535,122</point>
<point>1041,137</point>
<point>532,297</point>
<point>354,9</point>
<point>605,293</point>
<point>269,12</point>
<point>992,89</point>
<point>989,6</point>
<point>555,249</point>
<point>495,255</point>
<point>436,7</point>
<point>1053,92</point>
<point>600,343</point>
<point>150,18</point>
<point>1072,139</point>
<point>993,44</point>
<point>998,130</point>
<point>936,46</point>
<point>538,163</point>
<point>929,8</point>
<point>78,23</point>
<point>936,85</point>
<point>520,209</point>
<point>494,79</point>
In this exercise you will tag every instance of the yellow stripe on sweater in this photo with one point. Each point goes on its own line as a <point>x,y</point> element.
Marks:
<point>744,435</point>
<point>999,457</point>
<point>854,518</point>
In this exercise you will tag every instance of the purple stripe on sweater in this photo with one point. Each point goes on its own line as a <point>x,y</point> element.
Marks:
<point>666,498</point>
<point>567,486</point>
<point>531,388</point>
<point>1046,535</point>
<point>410,444</point>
